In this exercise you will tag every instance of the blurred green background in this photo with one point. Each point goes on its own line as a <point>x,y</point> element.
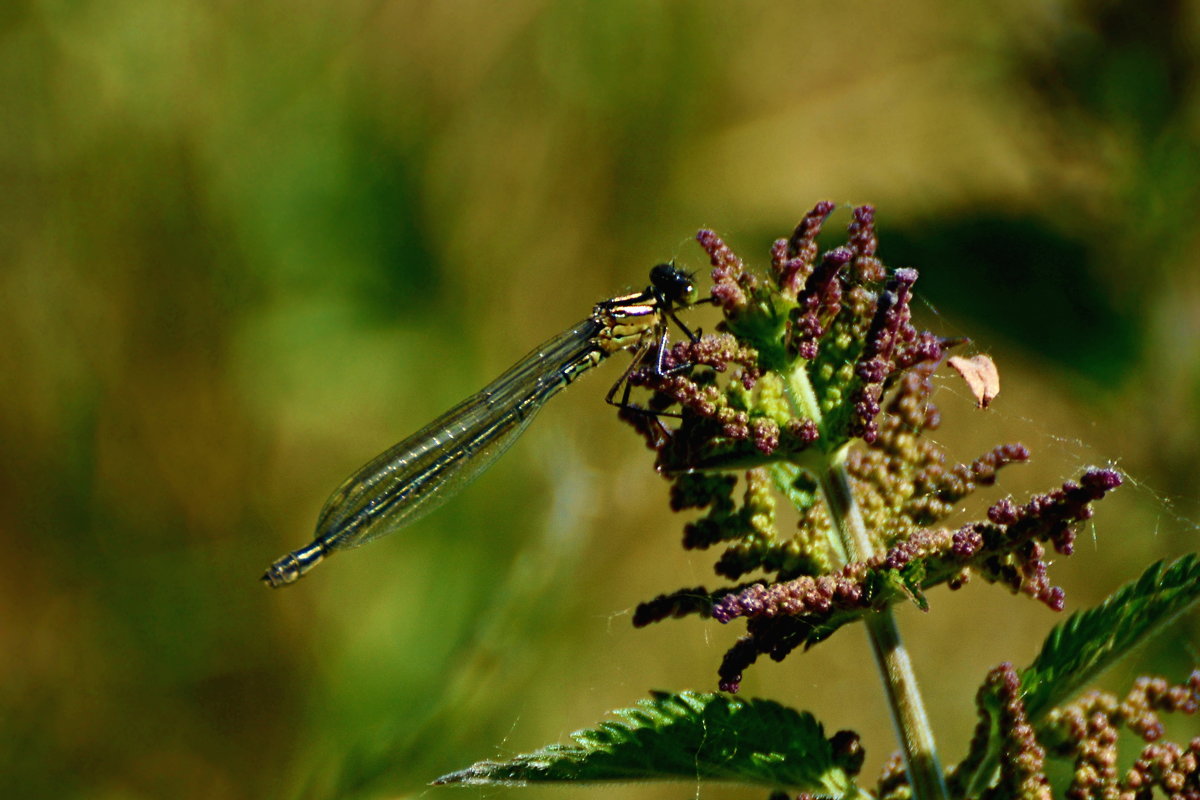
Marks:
<point>246,246</point>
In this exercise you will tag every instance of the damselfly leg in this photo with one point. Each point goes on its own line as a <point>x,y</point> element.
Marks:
<point>658,346</point>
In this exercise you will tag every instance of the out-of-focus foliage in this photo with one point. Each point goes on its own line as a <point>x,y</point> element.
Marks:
<point>244,247</point>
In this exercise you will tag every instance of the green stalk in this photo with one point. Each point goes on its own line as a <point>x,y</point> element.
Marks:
<point>925,774</point>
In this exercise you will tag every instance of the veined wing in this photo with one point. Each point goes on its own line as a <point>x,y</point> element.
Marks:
<point>416,475</point>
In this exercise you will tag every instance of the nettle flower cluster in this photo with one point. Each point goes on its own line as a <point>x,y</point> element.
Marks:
<point>817,370</point>
<point>1086,732</point>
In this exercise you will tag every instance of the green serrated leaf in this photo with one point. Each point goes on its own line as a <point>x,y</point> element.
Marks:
<point>911,579</point>
<point>1088,642</point>
<point>689,736</point>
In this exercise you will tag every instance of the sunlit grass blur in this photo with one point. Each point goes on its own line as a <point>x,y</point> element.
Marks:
<point>245,247</point>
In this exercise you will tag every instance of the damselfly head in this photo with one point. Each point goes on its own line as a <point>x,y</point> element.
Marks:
<point>673,285</point>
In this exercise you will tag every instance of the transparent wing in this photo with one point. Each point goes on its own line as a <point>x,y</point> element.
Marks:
<point>417,475</point>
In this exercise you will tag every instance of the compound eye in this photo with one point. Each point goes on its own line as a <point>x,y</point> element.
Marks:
<point>672,283</point>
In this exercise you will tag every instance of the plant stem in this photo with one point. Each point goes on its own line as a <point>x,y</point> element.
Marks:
<point>925,774</point>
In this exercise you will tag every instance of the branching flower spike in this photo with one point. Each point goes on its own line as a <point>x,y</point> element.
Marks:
<point>816,390</point>
<point>817,366</point>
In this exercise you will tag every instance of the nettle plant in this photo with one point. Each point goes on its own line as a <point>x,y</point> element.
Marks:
<point>816,389</point>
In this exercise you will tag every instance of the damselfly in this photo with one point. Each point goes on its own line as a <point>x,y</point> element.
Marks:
<point>417,475</point>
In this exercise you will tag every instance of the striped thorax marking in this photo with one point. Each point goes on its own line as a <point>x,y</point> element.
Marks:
<point>627,321</point>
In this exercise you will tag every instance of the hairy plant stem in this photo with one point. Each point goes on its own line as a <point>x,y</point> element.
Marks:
<point>925,773</point>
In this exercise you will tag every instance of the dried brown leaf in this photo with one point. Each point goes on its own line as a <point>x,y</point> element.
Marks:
<point>981,375</point>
